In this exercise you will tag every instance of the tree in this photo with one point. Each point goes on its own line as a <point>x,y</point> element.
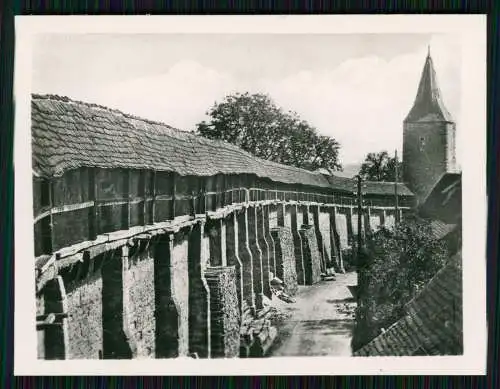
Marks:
<point>380,167</point>
<point>256,124</point>
<point>401,262</point>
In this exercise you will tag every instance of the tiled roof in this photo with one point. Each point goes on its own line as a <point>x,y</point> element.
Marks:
<point>368,187</point>
<point>428,105</point>
<point>444,201</point>
<point>69,134</point>
<point>440,229</point>
<point>433,323</point>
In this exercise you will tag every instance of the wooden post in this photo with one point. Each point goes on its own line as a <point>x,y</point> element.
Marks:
<point>203,191</point>
<point>396,213</point>
<point>144,196</point>
<point>93,223</point>
<point>174,188</point>
<point>224,189</point>
<point>47,226</point>
<point>360,216</point>
<point>153,194</point>
<point>126,209</point>
<point>232,189</point>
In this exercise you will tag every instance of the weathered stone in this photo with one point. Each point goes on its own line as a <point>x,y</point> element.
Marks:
<point>224,315</point>
<point>312,261</point>
<point>246,259</point>
<point>285,259</point>
<point>199,294</point>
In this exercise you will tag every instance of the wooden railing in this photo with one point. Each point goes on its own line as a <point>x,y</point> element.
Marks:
<point>63,225</point>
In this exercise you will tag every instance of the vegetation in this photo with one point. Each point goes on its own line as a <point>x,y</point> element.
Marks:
<point>394,267</point>
<point>254,123</point>
<point>380,167</point>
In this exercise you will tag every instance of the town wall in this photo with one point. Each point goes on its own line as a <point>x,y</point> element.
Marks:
<point>130,256</point>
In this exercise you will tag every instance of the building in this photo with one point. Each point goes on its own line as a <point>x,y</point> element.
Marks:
<point>432,323</point>
<point>429,136</point>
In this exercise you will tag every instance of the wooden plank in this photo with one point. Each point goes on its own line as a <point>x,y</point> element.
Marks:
<point>42,214</point>
<point>47,228</point>
<point>93,212</point>
<point>224,189</point>
<point>153,201</point>
<point>144,196</point>
<point>126,208</point>
<point>173,177</point>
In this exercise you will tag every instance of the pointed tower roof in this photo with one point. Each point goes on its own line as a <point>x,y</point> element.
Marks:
<point>428,105</point>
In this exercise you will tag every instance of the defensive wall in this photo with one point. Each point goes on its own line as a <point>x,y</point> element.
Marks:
<point>151,242</point>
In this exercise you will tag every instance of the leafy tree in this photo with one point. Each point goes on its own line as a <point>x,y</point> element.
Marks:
<point>254,123</point>
<point>380,167</point>
<point>400,263</point>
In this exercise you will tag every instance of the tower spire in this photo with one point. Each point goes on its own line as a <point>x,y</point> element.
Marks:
<point>428,103</point>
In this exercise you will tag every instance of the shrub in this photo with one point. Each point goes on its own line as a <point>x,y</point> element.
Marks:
<point>397,265</point>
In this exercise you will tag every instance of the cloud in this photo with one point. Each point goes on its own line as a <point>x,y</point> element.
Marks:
<point>361,102</point>
<point>179,97</point>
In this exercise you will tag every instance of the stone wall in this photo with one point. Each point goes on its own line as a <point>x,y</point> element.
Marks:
<point>389,219</point>
<point>296,218</point>
<point>341,222</point>
<point>273,217</point>
<point>375,221</point>
<point>198,293</point>
<point>285,258</point>
<point>85,326</point>
<point>224,312</point>
<point>141,298</point>
<point>116,341</point>
<point>180,289</point>
<point>192,289</point>
<point>325,227</point>
<point>312,260</point>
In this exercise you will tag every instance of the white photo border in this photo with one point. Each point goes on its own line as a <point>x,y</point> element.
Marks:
<point>471,132</point>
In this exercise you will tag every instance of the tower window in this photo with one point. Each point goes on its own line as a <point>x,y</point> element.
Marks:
<point>422,143</point>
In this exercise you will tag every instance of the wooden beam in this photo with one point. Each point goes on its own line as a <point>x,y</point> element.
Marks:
<point>47,222</point>
<point>144,196</point>
<point>224,189</point>
<point>173,176</point>
<point>153,193</point>
<point>93,221</point>
<point>126,208</point>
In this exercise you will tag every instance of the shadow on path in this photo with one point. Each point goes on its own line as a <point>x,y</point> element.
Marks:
<point>321,321</point>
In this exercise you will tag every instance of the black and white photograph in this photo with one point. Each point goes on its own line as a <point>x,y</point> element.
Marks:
<point>277,195</point>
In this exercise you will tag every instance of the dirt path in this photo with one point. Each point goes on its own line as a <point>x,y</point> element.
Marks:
<point>321,320</point>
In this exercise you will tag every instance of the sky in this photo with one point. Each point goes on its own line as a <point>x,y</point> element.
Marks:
<point>356,88</point>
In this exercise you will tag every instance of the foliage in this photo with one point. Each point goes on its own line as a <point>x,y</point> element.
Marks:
<point>254,123</point>
<point>400,263</point>
<point>380,167</point>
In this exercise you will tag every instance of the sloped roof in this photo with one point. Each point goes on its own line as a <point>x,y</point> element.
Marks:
<point>428,105</point>
<point>68,134</point>
<point>444,201</point>
<point>433,323</point>
<point>440,229</point>
<point>369,187</point>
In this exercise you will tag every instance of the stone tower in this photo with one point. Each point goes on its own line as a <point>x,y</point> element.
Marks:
<point>428,136</point>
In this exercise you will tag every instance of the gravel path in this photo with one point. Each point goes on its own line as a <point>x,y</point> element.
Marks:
<point>321,320</point>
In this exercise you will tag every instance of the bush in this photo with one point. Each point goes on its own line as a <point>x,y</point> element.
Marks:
<point>348,257</point>
<point>397,266</point>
